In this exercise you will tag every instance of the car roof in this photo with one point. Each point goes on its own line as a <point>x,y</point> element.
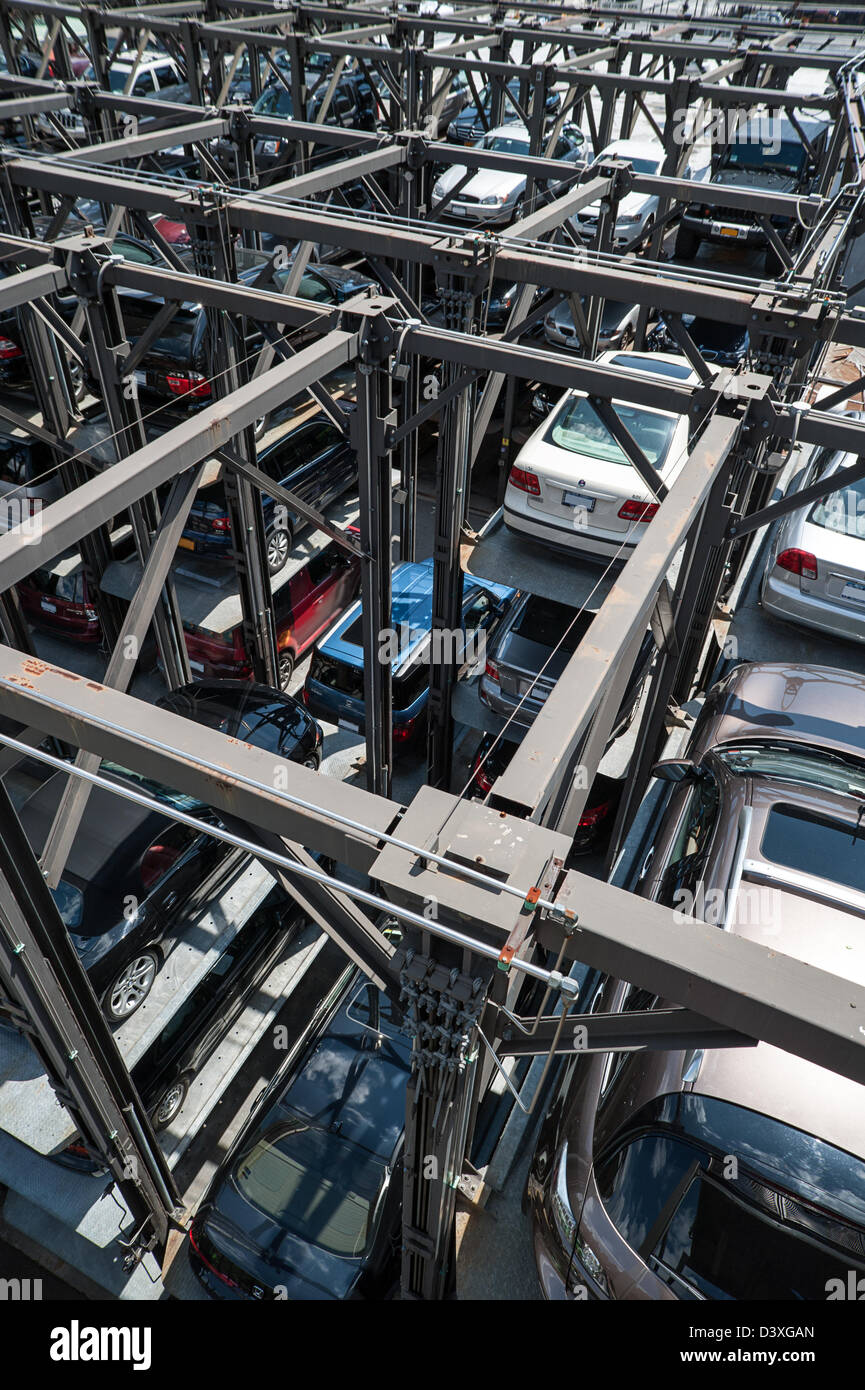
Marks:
<point>411,604</point>
<point>512,128</point>
<point>633,149</point>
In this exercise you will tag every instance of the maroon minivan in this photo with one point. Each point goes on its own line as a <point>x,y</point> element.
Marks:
<point>302,609</point>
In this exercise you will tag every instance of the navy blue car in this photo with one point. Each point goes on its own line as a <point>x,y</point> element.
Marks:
<point>308,1201</point>
<point>334,683</point>
<point>315,461</point>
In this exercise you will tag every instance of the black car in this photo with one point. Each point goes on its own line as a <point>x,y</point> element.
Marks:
<point>133,877</point>
<point>166,1070</point>
<point>723,343</point>
<point>492,756</point>
<point>314,460</point>
<point>768,155</point>
<point>307,1204</point>
<point>252,713</point>
<point>475,119</point>
<point>176,365</point>
<point>354,105</point>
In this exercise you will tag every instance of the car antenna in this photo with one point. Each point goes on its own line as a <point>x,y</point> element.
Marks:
<point>858,825</point>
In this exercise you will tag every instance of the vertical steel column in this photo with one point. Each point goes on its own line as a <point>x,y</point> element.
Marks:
<point>368,425</point>
<point>413,174</point>
<point>214,256</point>
<point>462,285</point>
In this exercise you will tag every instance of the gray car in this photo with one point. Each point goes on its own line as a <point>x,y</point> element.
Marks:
<point>530,652</point>
<point>631,1190</point>
<point>815,572</point>
<point>618,324</point>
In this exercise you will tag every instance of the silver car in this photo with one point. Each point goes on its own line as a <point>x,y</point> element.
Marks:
<point>815,573</point>
<point>618,324</point>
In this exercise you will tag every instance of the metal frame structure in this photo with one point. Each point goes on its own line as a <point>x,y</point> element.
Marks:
<point>496,874</point>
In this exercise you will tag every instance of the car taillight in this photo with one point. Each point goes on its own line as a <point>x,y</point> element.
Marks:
<point>638,511</point>
<point>593,814</point>
<point>482,779</point>
<point>491,669</point>
<point>212,1267</point>
<point>8,350</point>
<point>77,1149</point>
<point>525,481</point>
<point>188,384</point>
<point>220,523</point>
<point>403,732</point>
<point>800,562</point>
<point>304,695</point>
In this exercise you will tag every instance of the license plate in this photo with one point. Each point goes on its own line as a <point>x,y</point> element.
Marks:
<point>186,544</point>
<point>578,499</point>
<point>854,590</point>
<point>48,607</point>
<point>721,229</point>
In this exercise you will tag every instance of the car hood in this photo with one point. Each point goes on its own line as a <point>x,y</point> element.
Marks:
<point>271,1255</point>
<point>629,205</point>
<point>773,180</point>
<point>485,183</point>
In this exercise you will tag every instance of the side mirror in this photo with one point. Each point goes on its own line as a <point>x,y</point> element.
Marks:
<point>676,770</point>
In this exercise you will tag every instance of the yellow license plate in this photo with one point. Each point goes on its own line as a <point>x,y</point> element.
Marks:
<point>186,544</point>
<point>729,231</point>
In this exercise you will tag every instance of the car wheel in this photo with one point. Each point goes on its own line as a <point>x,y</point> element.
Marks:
<point>278,548</point>
<point>518,208</point>
<point>76,381</point>
<point>648,229</point>
<point>686,244</point>
<point>130,987</point>
<point>286,669</point>
<point>170,1103</point>
<point>313,761</point>
<point>260,426</point>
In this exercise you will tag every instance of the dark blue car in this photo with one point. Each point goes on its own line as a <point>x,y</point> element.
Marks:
<point>334,684</point>
<point>315,461</point>
<point>307,1204</point>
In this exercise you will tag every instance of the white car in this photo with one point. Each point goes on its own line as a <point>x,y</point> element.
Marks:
<point>154,73</point>
<point>637,211</point>
<point>573,487</point>
<point>492,195</point>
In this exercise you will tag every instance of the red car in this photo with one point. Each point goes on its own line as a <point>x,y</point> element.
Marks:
<point>58,599</point>
<point>314,595</point>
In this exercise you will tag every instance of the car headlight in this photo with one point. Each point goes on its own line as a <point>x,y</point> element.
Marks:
<point>591,1264</point>
<point>494,200</point>
<point>540,404</point>
<point>628,219</point>
<point>567,1227</point>
<point>270,146</point>
<point>438,189</point>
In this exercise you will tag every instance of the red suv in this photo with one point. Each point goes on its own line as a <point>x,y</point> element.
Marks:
<point>302,609</point>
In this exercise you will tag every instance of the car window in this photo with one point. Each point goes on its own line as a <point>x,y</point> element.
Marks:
<point>160,857</point>
<point>374,1010</point>
<point>478,611</point>
<point>144,83</point>
<point>15,466</point>
<point>842,511</point>
<point>688,854</point>
<point>321,436</point>
<point>578,427</point>
<point>313,287</point>
<point>322,566</point>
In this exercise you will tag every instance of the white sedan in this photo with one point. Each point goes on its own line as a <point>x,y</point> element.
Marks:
<point>637,211</point>
<point>494,195</point>
<point>573,487</point>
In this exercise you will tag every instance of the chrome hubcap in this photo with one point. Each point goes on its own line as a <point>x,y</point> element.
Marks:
<point>277,550</point>
<point>132,986</point>
<point>170,1104</point>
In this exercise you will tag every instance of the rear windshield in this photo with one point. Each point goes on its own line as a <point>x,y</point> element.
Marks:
<point>64,586</point>
<point>760,153</point>
<point>579,428</point>
<point>551,624</point>
<point>274,102</point>
<point>813,844</point>
<point>842,511</point>
<point>314,1185</point>
<point>338,675</point>
<point>679,371</point>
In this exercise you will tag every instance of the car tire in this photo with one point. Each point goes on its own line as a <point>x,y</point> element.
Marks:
<point>130,987</point>
<point>519,207</point>
<point>687,243</point>
<point>260,425</point>
<point>648,229</point>
<point>170,1103</point>
<point>286,669</point>
<point>277,549</point>
<point>77,381</point>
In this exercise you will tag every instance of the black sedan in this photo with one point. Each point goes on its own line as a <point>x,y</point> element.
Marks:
<point>253,713</point>
<point>475,120</point>
<point>307,1204</point>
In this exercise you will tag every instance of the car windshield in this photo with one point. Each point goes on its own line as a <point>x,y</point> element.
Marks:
<point>790,1219</point>
<point>275,101</point>
<point>177,800</point>
<point>579,428</point>
<point>640,166</point>
<point>505,144</point>
<point>313,1184</point>
<point>808,765</point>
<point>787,156</point>
<point>70,904</point>
<point>842,511</point>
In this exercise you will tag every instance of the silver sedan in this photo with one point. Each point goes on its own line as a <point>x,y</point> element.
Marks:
<point>815,573</point>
